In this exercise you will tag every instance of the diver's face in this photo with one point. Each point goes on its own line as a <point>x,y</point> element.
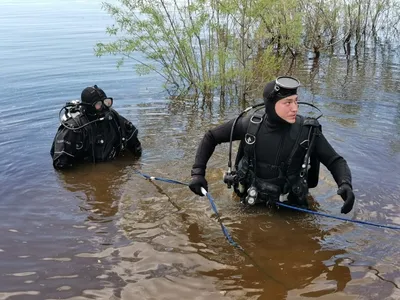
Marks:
<point>287,108</point>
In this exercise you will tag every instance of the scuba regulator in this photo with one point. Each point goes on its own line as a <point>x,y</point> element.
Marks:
<point>71,109</point>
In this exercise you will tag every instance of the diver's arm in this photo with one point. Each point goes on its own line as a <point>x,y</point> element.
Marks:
<point>213,137</point>
<point>130,133</point>
<point>132,140</point>
<point>335,163</point>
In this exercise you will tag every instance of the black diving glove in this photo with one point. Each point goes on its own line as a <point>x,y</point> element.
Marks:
<point>198,182</point>
<point>346,192</point>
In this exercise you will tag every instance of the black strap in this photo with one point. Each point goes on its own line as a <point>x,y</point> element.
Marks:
<point>251,136</point>
<point>253,127</point>
<point>296,145</point>
<point>312,124</point>
<point>312,133</point>
<point>232,130</point>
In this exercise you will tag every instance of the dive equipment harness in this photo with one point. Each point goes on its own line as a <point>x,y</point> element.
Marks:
<point>243,177</point>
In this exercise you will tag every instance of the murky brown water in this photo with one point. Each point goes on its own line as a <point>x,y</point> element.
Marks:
<point>104,232</point>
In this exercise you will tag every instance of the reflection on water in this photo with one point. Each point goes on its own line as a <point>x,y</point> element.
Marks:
<point>104,232</point>
<point>98,186</point>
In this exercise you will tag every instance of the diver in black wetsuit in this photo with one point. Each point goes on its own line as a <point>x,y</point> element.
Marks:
<point>279,153</point>
<point>92,131</point>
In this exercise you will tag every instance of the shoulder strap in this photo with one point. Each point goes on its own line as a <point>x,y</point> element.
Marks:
<point>313,131</point>
<point>312,124</point>
<point>249,143</point>
<point>253,127</point>
<point>251,135</point>
<point>297,143</point>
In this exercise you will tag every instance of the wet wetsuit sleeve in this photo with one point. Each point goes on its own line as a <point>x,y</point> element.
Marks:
<point>335,163</point>
<point>65,148</point>
<point>213,137</point>
<point>130,133</point>
<point>133,143</point>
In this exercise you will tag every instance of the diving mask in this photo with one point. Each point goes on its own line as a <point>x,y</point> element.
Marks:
<point>286,86</point>
<point>105,103</point>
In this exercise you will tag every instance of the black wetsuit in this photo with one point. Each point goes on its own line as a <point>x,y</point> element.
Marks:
<point>272,148</point>
<point>98,141</point>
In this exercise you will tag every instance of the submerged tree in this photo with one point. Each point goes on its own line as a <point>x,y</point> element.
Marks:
<point>200,47</point>
<point>350,22</point>
<point>203,46</point>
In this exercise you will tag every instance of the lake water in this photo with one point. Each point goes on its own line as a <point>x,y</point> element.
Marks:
<point>103,232</point>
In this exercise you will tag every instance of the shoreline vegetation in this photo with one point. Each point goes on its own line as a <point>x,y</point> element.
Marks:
<point>207,48</point>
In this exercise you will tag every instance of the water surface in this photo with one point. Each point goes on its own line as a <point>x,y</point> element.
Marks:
<point>103,232</point>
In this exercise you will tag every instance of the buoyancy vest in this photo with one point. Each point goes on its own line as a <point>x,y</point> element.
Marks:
<point>294,174</point>
<point>100,139</point>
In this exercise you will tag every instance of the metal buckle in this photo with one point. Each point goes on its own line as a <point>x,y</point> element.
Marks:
<point>256,121</point>
<point>249,139</point>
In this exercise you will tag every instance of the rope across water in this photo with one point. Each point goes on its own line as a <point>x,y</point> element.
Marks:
<point>210,198</point>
